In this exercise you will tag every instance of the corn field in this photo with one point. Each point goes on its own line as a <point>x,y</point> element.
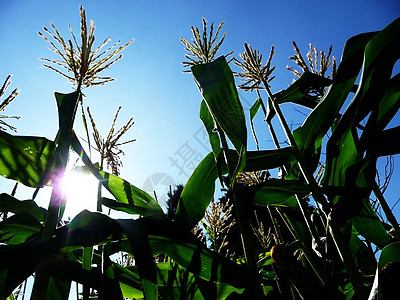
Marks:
<point>310,232</point>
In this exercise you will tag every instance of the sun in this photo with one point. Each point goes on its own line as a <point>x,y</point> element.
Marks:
<point>80,189</point>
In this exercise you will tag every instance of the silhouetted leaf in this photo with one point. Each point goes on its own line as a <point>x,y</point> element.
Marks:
<point>209,124</point>
<point>11,204</point>
<point>193,204</point>
<point>140,248</point>
<point>299,91</point>
<point>276,192</point>
<point>24,158</point>
<point>137,201</point>
<point>18,228</point>
<point>309,135</point>
<point>183,247</point>
<point>217,86</point>
<point>128,197</point>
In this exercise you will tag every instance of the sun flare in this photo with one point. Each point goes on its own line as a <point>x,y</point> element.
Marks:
<point>80,190</point>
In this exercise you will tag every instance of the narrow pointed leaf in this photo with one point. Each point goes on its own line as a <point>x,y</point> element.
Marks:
<point>299,91</point>
<point>128,197</point>
<point>276,192</point>
<point>309,135</point>
<point>183,247</point>
<point>88,229</point>
<point>217,86</point>
<point>209,124</point>
<point>192,204</point>
<point>138,239</point>
<point>132,199</point>
<point>253,111</point>
<point>67,105</point>
<point>369,226</point>
<point>18,228</point>
<point>24,158</point>
<point>11,204</point>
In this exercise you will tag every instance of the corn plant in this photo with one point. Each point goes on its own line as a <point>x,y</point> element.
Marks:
<point>308,239</point>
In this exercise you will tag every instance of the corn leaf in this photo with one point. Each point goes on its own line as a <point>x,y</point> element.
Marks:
<point>253,111</point>
<point>176,283</point>
<point>63,270</point>
<point>58,288</point>
<point>276,192</point>
<point>140,248</point>
<point>88,229</point>
<point>390,253</point>
<point>24,158</point>
<point>209,124</point>
<point>367,223</point>
<point>351,161</point>
<point>18,228</point>
<point>10,204</point>
<point>129,281</point>
<point>309,135</point>
<point>217,86</point>
<point>183,247</point>
<point>129,198</point>
<point>192,204</point>
<point>67,105</point>
<point>299,91</point>
<point>21,261</point>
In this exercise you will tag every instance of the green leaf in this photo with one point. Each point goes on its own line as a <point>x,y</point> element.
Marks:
<point>140,248</point>
<point>375,85</point>
<point>253,111</point>
<point>255,108</point>
<point>363,255</point>
<point>58,289</point>
<point>183,247</point>
<point>10,204</point>
<point>369,226</point>
<point>67,105</point>
<point>174,282</point>
<point>209,124</point>
<point>129,281</point>
<point>276,192</point>
<point>22,259</point>
<point>18,228</point>
<point>217,86</point>
<point>129,198</point>
<point>351,161</point>
<point>24,158</point>
<point>309,135</point>
<point>192,204</point>
<point>88,229</point>
<point>64,270</point>
<point>299,91</point>
<point>390,253</point>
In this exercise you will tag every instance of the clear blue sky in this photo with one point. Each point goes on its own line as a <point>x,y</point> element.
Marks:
<point>149,81</point>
